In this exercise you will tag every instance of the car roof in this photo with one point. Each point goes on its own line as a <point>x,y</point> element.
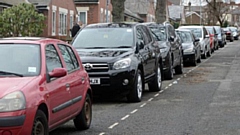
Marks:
<point>29,40</point>
<point>113,25</point>
<point>182,29</point>
<point>154,24</point>
<point>190,26</point>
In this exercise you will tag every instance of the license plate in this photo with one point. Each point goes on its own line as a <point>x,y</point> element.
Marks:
<point>94,80</point>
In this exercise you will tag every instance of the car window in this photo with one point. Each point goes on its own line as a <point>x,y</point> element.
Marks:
<point>205,32</point>
<point>159,32</point>
<point>146,35</point>
<point>67,57</point>
<point>73,56</point>
<point>140,35</point>
<point>104,37</point>
<point>24,59</point>
<point>52,58</point>
<point>171,30</point>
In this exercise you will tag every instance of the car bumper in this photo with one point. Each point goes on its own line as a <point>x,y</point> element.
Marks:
<point>16,123</point>
<point>188,57</point>
<point>113,82</point>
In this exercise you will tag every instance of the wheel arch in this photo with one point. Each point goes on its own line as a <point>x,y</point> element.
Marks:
<point>43,107</point>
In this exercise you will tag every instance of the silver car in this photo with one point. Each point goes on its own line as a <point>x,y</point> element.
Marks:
<point>201,33</point>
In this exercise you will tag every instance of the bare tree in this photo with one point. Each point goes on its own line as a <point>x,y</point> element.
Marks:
<point>160,12</point>
<point>217,11</point>
<point>118,10</point>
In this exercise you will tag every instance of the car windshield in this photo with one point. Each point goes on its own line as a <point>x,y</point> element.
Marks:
<point>104,38</point>
<point>185,36</point>
<point>233,28</point>
<point>196,31</point>
<point>218,30</point>
<point>19,59</point>
<point>210,30</point>
<point>160,32</point>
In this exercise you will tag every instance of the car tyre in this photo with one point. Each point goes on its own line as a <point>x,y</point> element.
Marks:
<point>199,59</point>
<point>156,83</point>
<point>40,124</point>
<point>84,118</point>
<point>135,95</point>
<point>194,62</point>
<point>179,68</point>
<point>204,56</point>
<point>209,53</point>
<point>169,73</point>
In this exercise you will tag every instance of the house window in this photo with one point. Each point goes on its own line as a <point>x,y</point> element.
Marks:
<point>71,21</point>
<point>101,16</point>
<point>83,17</point>
<point>63,24</point>
<point>53,23</point>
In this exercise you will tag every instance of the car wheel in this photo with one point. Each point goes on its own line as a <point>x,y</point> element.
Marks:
<point>194,62</point>
<point>135,95</point>
<point>40,124</point>
<point>156,84</point>
<point>209,53</point>
<point>169,73</point>
<point>199,59</point>
<point>179,68</point>
<point>84,118</point>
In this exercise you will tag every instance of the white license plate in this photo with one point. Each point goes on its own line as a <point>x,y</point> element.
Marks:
<point>94,80</point>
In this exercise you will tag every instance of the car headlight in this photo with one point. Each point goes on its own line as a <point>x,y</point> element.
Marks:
<point>13,102</point>
<point>124,63</point>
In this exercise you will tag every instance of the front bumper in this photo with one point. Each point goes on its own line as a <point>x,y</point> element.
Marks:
<point>113,82</point>
<point>189,57</point>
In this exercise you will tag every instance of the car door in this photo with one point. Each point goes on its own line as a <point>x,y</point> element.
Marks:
<point>196,46</point>
<point>75,79</point>
<point>175,44</point>
<point>152,50</point>
<point>58,93</point>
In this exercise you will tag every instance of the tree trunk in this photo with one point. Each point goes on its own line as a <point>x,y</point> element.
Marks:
<point>118,10</point>
<point>160,12</point>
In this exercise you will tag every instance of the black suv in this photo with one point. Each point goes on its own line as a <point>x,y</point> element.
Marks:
<point>120,58</point>
<point>170,48</point>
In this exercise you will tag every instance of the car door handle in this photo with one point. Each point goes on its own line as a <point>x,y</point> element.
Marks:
<point>67,85</point>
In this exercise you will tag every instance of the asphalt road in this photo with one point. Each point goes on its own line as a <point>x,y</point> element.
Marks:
<point>205,100</point>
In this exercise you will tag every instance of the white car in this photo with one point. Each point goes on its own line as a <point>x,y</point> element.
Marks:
<point>201,33</point>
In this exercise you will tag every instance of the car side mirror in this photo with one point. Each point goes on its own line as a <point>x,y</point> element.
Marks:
<point>58,72</point>
<point>197,40</point>
<point>171,38</point>
<point>140,44</point>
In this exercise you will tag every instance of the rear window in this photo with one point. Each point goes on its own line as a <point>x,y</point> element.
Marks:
<point>23,59</point>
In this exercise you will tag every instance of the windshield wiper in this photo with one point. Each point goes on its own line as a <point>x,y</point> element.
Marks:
<point>10,73</point>
<point>123,46</point>
<point>95,48</point>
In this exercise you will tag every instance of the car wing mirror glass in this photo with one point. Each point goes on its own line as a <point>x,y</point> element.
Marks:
<point>140,44</point>
<point>171,38</point>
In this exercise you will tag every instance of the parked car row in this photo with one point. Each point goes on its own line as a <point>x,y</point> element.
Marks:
<point>47,82</point>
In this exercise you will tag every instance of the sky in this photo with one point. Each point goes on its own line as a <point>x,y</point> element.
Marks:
<point>203,2</point>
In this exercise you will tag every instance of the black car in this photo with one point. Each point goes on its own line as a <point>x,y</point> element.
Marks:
<point>170,47</point>
<point>120,58</point>
<point>191,47</point>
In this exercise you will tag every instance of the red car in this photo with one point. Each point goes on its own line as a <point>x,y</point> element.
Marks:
<point>43,85</point>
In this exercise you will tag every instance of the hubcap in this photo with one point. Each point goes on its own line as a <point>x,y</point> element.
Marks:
<point>159,78</point>
<point>87,112</point>
<point>39,128</point>
<point>139,86</point>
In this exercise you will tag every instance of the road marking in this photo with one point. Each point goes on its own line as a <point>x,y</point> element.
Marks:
<point>157,94</point>
<point>134,111</point>
<point>112,126</point>
<point>102,133</point>
<point>125,117</point>
<point>143,105</point>
<point>170,85</point>
<point>150,99</point>
<point>178,79</point>
<point>185,75</point>
<point>161,91</point>
<point>166,87</point>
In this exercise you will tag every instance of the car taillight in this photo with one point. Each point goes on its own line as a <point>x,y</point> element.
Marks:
<point>228,33</point>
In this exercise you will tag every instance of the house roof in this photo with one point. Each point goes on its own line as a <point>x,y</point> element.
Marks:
<point>175,11</point>
<point>40,2</point>
<point>86,1</point>
<point>191,13</point>
<point>130,13</point>
<point>13,2</point>
<point>137,6</point>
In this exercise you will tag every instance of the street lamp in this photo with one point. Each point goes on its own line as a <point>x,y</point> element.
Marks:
<point>190,10</point>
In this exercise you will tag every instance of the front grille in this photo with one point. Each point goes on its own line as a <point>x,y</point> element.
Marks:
<point>96,67</point>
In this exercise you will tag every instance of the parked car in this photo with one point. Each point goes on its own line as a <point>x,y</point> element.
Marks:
<point>221,36</point>
<point>213,37</point>
<point>201,33</point>
<point>191,46</point>
<point>229,34</point>
<point>170,47</point>
<point>235,32</point>
<point>43,85</point>
<point>120,58</point>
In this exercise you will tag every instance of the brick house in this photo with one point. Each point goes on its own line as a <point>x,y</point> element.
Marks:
<point>94,11</point>
<point>144,8</point>
<point>60,17</point>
